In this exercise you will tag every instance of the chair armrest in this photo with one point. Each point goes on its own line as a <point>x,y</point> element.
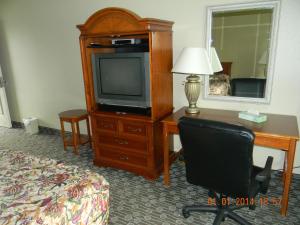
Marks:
<point>266,172</point>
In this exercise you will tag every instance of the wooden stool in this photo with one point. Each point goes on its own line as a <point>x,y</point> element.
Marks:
<point>73,117</point>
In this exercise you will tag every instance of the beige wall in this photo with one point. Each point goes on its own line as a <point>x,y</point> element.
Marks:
<point>40,54</point>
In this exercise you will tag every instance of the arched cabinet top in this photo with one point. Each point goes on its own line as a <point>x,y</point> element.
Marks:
<point>117,20</point>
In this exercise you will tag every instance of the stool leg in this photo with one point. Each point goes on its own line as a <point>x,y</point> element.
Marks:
<point>78,133</point>
<point>88,130</point>
<point>74,138</point>
<point>63,133</point>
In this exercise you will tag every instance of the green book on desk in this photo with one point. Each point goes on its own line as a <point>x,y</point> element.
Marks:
<point>253,117</point>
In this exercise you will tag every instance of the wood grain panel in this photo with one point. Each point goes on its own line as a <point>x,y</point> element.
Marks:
<point>133,128</point>
<point>161,76</point>
<point>105,124</point>
<point>117,21</point>
<point>139,146</point>
<point>272,141</point>
<point>122,156</point>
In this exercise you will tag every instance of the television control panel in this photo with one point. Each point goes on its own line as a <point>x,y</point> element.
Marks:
<point>126,41</point>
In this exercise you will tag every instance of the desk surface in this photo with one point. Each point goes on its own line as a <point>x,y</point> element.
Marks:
<point>276,125</point>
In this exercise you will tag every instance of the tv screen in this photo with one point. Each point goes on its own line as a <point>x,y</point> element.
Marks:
<point>122,78</point>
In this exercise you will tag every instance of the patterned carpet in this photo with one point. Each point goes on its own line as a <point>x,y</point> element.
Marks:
<point>135,200</point>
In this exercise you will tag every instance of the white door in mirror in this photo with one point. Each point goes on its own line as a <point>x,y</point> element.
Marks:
<point>4,111</point>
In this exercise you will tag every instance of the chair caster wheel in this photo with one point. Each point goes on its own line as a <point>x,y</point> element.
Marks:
<point>252,207</point>
<point>211,194</point>
<point>185,213</point>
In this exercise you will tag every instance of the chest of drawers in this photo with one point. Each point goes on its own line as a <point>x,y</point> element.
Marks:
<point>127,144</point>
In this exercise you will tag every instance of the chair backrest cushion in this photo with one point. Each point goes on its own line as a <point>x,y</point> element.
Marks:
<point>218,156</point>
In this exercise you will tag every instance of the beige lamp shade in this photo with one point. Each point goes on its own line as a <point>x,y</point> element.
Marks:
<point>193,61</point>
<point>215,62</point>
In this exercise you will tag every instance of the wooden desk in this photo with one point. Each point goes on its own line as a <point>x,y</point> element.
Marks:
<point>279,132</point>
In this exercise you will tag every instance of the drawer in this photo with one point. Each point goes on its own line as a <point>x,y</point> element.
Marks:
<point>122,142</point>
<point>122,156</point>
<point>133,128</point>
<point>106,124</point>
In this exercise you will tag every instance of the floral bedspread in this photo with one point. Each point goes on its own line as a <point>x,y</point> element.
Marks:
<point>44,191</point>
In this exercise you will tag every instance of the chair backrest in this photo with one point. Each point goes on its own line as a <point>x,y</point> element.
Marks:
<point>218,156</point>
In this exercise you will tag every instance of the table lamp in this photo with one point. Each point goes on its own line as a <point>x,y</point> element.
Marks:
<point>193,61</point>
<point>215,62</point>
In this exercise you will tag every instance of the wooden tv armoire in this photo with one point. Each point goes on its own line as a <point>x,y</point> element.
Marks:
<point>125,140</point>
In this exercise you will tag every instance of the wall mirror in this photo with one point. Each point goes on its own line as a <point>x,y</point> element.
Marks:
<point>244,37</point>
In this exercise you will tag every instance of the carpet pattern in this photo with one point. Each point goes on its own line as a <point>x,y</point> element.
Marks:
<point>135,200</point>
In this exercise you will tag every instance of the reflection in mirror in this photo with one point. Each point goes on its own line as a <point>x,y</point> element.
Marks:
<point>243,39</point>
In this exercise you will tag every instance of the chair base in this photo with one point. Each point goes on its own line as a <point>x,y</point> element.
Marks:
<point>221,213</point>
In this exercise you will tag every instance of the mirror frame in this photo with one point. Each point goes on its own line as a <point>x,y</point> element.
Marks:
<point>275,5</point>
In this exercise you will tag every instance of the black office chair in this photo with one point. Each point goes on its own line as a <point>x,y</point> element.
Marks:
<point>218,157</point>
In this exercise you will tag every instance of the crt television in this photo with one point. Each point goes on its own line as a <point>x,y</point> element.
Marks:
<point>122,79</point>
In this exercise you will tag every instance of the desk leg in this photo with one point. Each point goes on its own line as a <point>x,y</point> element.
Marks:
<point>284,167</point>
<point>288,176</point>
<point>166,155</point>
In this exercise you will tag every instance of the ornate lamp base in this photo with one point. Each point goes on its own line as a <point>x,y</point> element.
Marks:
<point>192,92</point>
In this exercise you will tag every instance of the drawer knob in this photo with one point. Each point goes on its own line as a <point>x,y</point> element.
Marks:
<point>135,130</point>
<point>121,113</point>
<point>124,158</point>
<point>121,142</point>
<point>104,125</point>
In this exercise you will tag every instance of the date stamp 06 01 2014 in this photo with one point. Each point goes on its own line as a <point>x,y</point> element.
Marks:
<point>262,201</point>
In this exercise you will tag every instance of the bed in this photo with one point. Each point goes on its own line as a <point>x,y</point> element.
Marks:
<point>44,191</point>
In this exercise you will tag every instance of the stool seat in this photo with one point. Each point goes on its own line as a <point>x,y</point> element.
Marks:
<point>73,117</point>
<point>73,114</point>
